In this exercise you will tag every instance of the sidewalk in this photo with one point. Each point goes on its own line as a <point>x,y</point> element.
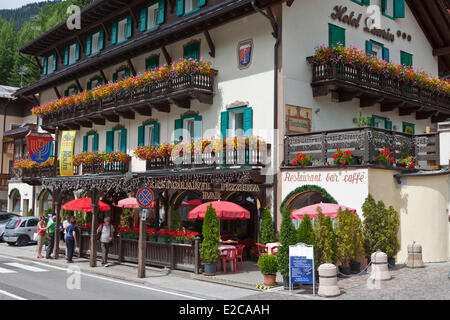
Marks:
<point>162,278</point>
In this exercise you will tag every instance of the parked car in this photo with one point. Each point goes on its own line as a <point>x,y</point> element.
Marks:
<point>20,231</point>
<point>4,219</point>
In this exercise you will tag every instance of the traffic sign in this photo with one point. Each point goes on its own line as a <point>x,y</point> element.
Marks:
<point>145,197</point>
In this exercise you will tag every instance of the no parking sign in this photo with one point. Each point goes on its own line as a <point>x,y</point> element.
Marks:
<point>145,197</point>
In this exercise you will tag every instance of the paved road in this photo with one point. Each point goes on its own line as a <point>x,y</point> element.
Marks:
<point>23,279</point>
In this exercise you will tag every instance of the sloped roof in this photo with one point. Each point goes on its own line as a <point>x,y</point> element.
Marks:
<point>7,92</point>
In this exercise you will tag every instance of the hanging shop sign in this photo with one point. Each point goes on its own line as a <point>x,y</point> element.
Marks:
<point>301,265</point>
<point>298,119</point>
<point>66,153</point>
<point>145,197</point>
<point>39,146</point>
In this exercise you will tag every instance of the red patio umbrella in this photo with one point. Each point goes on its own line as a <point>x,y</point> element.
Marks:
<point>225,210</point>
<point>191,203</point>
<point>84,204</point>
<point>328,209</point>
<point>131,203</point>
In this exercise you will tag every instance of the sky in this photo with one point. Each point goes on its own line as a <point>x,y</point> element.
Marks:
<point>13,4</point>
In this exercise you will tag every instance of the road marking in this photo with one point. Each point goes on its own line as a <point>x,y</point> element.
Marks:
<point>25,267</point>
<point>11,295</point>
<point>3,270</point>
<point>108,279</point>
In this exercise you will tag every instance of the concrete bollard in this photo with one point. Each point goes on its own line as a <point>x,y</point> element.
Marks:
<point>380,269</point>
<point>328,281</point>
<point>415,256</point>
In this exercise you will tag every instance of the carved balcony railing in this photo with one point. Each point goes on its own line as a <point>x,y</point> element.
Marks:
<point>346,82</point>
<point>365,143</point>
<point>245,157</point>
<point>180,91</point>
<point>105,167</point>
<point>33,176</point>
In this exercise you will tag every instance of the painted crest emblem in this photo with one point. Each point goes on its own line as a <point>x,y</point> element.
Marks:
<point>245,52</point>
<point>39,146</point>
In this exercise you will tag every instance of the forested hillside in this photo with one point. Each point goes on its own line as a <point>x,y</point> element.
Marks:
<point>20,70</point>
<point>25,13</point>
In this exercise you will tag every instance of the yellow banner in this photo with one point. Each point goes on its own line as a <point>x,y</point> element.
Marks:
<point>66,153</point>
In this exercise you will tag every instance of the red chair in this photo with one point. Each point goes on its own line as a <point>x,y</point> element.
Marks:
<point>240,253</point>
<point>262,249</point>
<point>230,255</point>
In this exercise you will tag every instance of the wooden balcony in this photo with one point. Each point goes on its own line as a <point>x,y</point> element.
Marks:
<point>105,167</point>
<point>346,82</point>
<point>179,91</point>
<point>364,143</point>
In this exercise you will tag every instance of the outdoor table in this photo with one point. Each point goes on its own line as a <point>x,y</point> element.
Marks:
<point>272,247</point>
<point>223,247</point>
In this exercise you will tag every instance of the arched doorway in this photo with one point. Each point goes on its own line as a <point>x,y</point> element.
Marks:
<point>15,199</point>
<point>181,202</point>
<point>45,199</point>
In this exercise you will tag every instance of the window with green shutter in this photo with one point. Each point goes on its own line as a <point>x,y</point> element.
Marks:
<point>152,15</point>
<point>377,49</point>
<point>95,42</point>
<point>49,64</point>
<point>152,62</point>
<point>72,53</point>
<point>121,74</point>
<point>148,134</point>
<point>71,90</point>
<point>122,30</point>
<point>409,128</point>
<point>185,7</point>
<point>192,51</point>
<point>237,122</point>
<point>393,8</point>
<point>336,35</point>
<point>44,65</point>
<point>406,58</point>
<point>188,127</point>
<point>94,83</point>
<point>381,122</point>
<point>90,142</point>
<point>116,140</point>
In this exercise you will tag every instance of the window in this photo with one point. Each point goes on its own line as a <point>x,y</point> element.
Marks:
<point>121,74</point>
<point>152,63</point>
<point>121,30</point>
<point>94,83</point>
<point>409,128</point>
<point>116,140</point>
<point>188,127</point>
<point>237,122</point>
<point>361,2</point>
<point>32,223</point>
<point>393,8</point>
<point>90,142</point>
<point>49,64</point>
<point>148,134</point>
<point>152,16</point>
<point>72,53</point>
<point>406,59</point>
<point>336,35</point>
<point>95,42</point>
<point>380,122</point>
<point>377,49</point>
<point>70,91</point>
<point>192,51</point>
<point>189,6</point>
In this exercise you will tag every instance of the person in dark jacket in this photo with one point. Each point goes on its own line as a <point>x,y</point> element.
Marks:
<point>71,239</point>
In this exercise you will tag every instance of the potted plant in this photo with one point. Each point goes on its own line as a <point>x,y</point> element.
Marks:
<point>209,250</point>
<point>268,234</point>
<point>268,266</point>
<point>385,157</point>
<point>288,237</point>
<point>324,250</point>
<point>407,162</point>
<point>342,157</point>
<point>162,236</point>
<point>302,160</point>
<point>392,229</point>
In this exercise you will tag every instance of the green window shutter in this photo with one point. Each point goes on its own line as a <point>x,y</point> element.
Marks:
<point>66,93</point>
<point>66,56</point>
<point>372,121</point>
<point>366,2</point>
<point>115,77</point>
<point>386,54</point>
<point>129,27</point>
<point>335,35</point>
<point>201,3</point>
<point>89,45</point>
<point>85,143</point>
<point>95,146</point>
<point>140,136</point>
<point>114,33</point>
<point>192,51</point>
<point>109,141</point>
<point>383,5</point>
<point>388,125</point>
<point>161,10</point>
<point>44,65</point>
<point>406,58</point>
<point>152,63</point>
<point>101,39</point>
<point>198,127</point>
<point>77,52</point>
<point>180,7</point>
<point>224,123</point>
<point>54,61</point>
<point>248,121</point>
<point>89,85</point>
<point>369,48</point>
<point>399,8</point>
<point>178,127</point>
<point>156,133</point>
<point>143,19</point>
<point>123,141</point>
<point>127,73</point>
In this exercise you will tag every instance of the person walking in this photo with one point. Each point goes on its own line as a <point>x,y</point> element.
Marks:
<point>41,228</point>
<point>105,234</point>
<point>50,237</point>
<point>71,239</point>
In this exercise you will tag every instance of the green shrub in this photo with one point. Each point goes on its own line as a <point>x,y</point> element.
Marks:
<point>305,232</point>
<point>349,237</point>
<point>392,229</point>
<point>268,234</point>
<point>176,222</point>
<point>333,238</point>
<point>209,251</point>
<point>324,248</point>
<point>268,264</point>
<point>288,238</point>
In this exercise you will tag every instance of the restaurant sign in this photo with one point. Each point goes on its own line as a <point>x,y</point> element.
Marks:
<point>202,186</point>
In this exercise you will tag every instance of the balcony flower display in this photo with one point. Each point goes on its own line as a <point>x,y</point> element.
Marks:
<point>179,68</point>
<point>28,164</point>
<point>343,157</point>
<point>355,57</point>
<point>153,152</point>
<point>407,162</point>
<point>301,160</point>
<point>385,157</point>
<point>89,158</point>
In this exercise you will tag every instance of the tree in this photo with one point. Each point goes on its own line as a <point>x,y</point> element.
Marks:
<point>332,234</point>
<point>176,223</point>
<point>209,251</point>
<point>288,238</point>
<point>349,237</point>
<point>392,227</point>
<point>305,232</point>
<point>267,230</point>
<point>8,44</point>
<point>323,250</point>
